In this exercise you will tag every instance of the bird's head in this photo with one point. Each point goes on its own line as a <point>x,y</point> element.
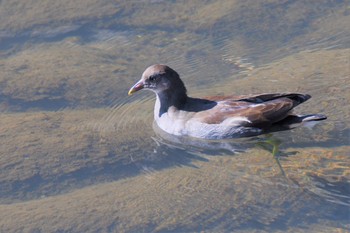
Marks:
<point>158,78</point>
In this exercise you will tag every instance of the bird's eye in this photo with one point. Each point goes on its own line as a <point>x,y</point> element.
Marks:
<point>152,78</point>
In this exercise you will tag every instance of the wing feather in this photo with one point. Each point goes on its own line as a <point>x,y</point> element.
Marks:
<point>256,111</point>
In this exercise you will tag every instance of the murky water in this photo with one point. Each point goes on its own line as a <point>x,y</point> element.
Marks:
<point>79,155</point>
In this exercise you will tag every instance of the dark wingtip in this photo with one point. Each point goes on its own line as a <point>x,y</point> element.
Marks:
<point>299,98</point>
<point>303,97</point>
<point>307,96</point>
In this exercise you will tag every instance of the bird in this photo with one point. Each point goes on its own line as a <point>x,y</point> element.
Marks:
<point>218,117</point>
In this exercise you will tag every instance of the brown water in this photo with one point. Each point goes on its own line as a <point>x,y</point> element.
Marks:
<point>79,155</point>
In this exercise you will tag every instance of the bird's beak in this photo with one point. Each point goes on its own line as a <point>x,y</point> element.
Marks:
<point>138,86</point>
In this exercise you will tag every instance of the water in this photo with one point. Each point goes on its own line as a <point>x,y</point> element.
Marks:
<point>79,155</point>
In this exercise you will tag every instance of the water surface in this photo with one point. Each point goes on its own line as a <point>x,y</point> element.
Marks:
<point>79,155</point>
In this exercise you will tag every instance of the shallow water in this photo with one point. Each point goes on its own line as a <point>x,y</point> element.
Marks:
<point>79,155</point>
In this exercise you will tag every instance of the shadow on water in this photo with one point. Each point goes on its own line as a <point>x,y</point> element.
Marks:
<point>166,151</point>
<point>162,155</point>
<point>84,29</point>
<point>17,105</point>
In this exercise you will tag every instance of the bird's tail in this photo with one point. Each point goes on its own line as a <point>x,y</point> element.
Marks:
<point>293,121</point>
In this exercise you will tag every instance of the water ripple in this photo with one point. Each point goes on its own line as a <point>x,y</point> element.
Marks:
<point>125,112</point>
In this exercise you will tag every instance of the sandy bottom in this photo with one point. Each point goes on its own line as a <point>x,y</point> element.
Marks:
<point>78,155</point>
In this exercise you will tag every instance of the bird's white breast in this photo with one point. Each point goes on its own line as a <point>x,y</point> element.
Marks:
<point>183,123</point>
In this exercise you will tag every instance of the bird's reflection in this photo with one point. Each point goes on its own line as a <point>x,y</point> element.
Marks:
<point>268,142</point>
<point>209,147</point>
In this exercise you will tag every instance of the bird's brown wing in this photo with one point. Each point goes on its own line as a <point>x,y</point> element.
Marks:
<point>254,112</point>
<point>260,98</point>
